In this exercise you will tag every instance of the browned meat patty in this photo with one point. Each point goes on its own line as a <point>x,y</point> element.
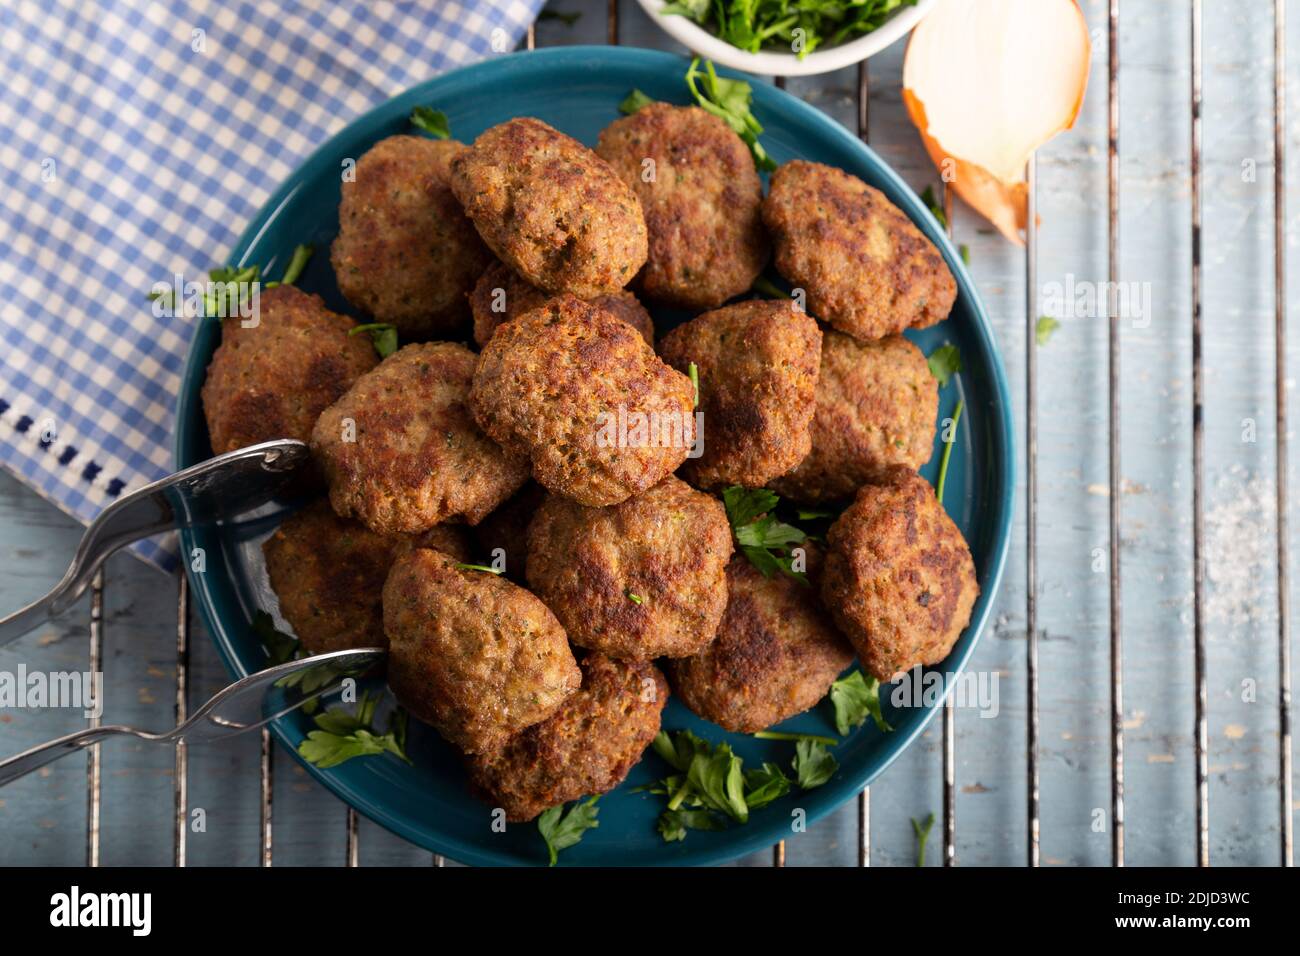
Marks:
<point>401,451</point>
<point>636,580</point>
<point>581,393</point>
<point>551,209</point>
<point>586,748</point>
<point>758,365</point>
<point>272,380</point>
<point>500,295</point>
<point>865,268</point>
<point>406,253</point>
<point>899,578</point>
<point>776,654</point>
<point>876,407</point>
<point>329,572</point>
<point>701,197</point>
<point>471,654</point>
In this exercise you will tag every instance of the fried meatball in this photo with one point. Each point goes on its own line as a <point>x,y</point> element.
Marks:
<point>551,209</point>
<point>899,579</point>
<point>273,379</point>
<point>470,653</point>
<point>586,748</point>
<point>776,654</point>
<point>867,270</point>
<point>405,251</point>
<point>758,365</point>
<point>328,573</point>
<point>701,203</point>
<point>401,451</point>
<point>507,529</point>
<point>581,393</point>
<point>876,407</point>
<point>500,295</point>
<point>637,580</point>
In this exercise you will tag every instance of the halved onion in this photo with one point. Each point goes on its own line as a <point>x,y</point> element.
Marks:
<point>989,81</point>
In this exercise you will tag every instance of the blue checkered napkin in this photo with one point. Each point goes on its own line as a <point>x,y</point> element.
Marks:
<point>137,139</point>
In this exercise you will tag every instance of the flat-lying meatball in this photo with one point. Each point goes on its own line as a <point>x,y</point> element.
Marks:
<point>758,365</point>
<point>273,379</point>
<point>329,572</point>
<point>405,252</point>
<point>586,748</point>
<point>500,295</point>
<point>776,654</point>
<point>876,407</point>
<point>701,196</point>
<point>637,580</point>
<point>582,394</point>
<point>899,578</point>
<point>401,451</point>
<point>551,209</point>
<point>866,268</point>
<point>470,653</point>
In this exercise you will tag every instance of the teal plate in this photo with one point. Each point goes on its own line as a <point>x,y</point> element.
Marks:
<point>577,90</point>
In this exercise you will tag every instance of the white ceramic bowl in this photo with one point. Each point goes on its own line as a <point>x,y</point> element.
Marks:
<point>823,60</point>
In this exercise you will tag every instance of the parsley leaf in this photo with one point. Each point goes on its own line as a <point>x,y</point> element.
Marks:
<point>764,785</point>
<point>944,362</point>
<point>729,100</point>
<point>694,372</point>
<point>759,534</point>
<point>922,831</point>
<point>673,824</point>
<point>719,782</point>
<point>753,25</point>
<point>634,101</point>
<point>855,698</point>
<point>562,830</point>
<point>382,335</point>
<point>1044,329</point>
<point>341,735</point>
<point>936,209</point>
<point>813,763</point>
<point>280,647</point>
<point>697,10</point>
<point>434,122</point>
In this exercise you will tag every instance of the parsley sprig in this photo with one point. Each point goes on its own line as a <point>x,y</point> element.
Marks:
<point>561,829</point>
<point>798,25</point>
<point>434,122</point>
<point>383,336</point>
<point>633,102</point>
<point>767,542</point>
<point>341,735</point>
<point>712,789</point>
<point>280,647</point>
<point>232,284</point>
<point>944,362</point>
<point>729,100</point>
<point>855,698</point>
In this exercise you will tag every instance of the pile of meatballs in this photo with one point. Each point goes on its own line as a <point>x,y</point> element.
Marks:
<point>621,576</point>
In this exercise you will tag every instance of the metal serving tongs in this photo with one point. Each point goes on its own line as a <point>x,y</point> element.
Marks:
<point>216,490</point>
<point>245,705</point>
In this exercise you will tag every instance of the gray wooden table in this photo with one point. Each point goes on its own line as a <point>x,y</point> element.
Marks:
<point>43,818</point>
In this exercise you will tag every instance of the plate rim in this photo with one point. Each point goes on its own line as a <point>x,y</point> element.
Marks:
<point>1000,424</point>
